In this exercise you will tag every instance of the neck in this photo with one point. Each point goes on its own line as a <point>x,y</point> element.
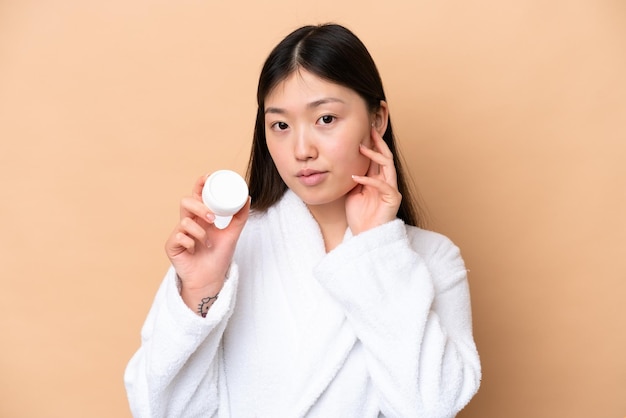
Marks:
<point>331,218</point>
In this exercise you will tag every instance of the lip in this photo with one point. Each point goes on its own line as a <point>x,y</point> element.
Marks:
<point>310,177</point>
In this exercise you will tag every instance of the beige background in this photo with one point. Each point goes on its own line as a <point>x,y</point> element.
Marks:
<point>512,115</point>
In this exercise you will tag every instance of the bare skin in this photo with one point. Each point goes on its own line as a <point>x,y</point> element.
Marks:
<point>328,149</point>
<point>200,252</point>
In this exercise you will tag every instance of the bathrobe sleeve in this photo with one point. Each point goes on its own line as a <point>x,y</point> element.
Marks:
<point>176,371</point>
<point>405,293</point>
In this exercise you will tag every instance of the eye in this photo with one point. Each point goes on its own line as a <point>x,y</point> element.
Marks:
<point>326,119</point>
<point>279,126</point>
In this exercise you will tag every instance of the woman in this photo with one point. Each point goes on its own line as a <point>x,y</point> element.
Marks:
<point>322,298</point>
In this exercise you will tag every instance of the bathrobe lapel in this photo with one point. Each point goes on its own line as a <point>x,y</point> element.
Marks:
<point>323,337</point>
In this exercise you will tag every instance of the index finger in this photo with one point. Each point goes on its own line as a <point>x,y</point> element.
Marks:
<point>380,143</point>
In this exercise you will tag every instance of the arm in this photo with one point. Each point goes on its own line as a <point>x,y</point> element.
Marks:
<point>413,317</point>
<point>176,371</point>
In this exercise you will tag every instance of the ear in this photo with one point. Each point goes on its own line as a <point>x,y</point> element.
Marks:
<point>381,118</point>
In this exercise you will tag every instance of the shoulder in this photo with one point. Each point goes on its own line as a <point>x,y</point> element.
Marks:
<point>437,250</point>
<point>429,242</point>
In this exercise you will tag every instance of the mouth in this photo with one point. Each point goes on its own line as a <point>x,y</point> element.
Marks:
<point>310,177</point>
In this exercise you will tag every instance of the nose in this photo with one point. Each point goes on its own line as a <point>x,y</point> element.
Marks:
<point>305,147</point>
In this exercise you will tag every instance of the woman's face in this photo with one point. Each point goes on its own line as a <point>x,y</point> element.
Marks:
<point>314,128</point>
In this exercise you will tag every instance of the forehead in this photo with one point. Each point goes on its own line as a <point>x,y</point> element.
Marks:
<point>303,87</point>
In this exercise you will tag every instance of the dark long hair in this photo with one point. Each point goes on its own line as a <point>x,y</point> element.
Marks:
<point>333,53</point>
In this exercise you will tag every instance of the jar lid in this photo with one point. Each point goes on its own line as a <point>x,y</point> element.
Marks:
<point>225,192</point>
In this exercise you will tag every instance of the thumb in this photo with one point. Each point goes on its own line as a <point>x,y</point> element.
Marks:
<point>240,218</point>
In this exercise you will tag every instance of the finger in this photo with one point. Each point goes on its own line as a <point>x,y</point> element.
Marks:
<point>179,243</point>
<point>380,144</point>
<point>376,157</point>
<point>388,191</point>
<point>244,211</point>
<point>373,169</point>
<point>378,184</point>
<point>240,218</point>
<point>192,229</point>
<point>193,208</point>
<point>384,162</point>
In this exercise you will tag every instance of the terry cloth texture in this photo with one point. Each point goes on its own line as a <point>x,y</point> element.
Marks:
<point>380,326</point>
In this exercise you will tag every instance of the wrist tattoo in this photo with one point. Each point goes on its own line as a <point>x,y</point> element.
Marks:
<point>205,304</point>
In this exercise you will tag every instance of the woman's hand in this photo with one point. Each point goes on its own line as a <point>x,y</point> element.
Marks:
<point>200,252</point>
<point>376,199</point>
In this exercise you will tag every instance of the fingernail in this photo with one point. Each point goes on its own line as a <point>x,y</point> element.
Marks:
<point>210,217</point>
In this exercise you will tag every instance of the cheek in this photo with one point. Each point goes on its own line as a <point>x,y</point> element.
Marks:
<point>274,150</point>
<point>362,161</point>
<point>367,140</point>
<point>363,165</point>
<point>350,146</point>
<point>350,158</point>
<point>276,156</point>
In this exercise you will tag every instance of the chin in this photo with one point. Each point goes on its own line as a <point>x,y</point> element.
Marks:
<point>319,197</point>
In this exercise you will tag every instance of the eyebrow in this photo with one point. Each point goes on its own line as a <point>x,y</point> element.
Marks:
<point>311,105</point>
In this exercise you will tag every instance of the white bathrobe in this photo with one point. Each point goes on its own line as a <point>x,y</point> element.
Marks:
<point>380,326</point>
